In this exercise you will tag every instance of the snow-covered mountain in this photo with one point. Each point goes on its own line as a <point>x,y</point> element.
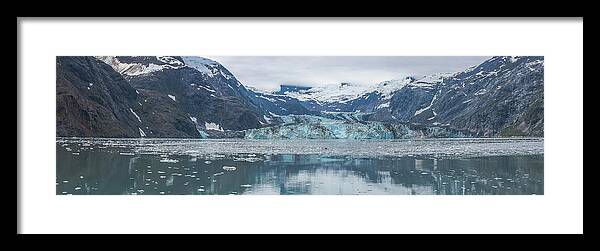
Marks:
<point>170,96</point>
<point>338,93</point>
<point>347,97</point>
<point>277,104</point>
<point>202,88</point>
<point>346,92</point>
<point>503,96</point>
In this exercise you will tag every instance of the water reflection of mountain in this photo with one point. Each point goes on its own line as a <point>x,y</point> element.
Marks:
<point>87,170</point>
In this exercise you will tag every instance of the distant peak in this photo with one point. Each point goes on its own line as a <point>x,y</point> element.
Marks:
<point>291,88</point>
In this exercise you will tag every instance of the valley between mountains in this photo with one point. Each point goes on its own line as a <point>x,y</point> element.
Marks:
<point>195,97</point>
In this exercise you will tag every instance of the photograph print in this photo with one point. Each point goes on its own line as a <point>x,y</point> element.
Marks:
<point>300,125</point>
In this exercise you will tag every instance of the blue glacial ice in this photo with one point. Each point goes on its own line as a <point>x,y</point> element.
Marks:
<point>344,127</point>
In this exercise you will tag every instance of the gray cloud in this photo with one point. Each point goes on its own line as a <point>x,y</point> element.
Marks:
<point>268,72</point>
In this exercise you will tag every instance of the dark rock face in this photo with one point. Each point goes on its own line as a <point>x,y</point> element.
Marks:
<point>92,100</point>
<point>503,96</point>
<point>407,102</point>
<point>276,104</point>
<point>161,117</point>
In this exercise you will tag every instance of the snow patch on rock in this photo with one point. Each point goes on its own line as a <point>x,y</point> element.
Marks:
<point>135,114</point>
<point>212,126</point>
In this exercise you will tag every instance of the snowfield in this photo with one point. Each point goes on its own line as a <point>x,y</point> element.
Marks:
<point>345,92</point>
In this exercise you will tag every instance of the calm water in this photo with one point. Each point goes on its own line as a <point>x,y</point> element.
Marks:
<point>417,167</point>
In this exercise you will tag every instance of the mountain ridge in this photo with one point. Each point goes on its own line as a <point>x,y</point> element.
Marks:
<point>195,97</point>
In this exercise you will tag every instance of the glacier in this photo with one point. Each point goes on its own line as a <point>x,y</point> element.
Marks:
<point>346,126</point>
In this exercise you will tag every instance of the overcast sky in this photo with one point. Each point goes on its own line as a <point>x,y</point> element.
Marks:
<point>268,72</point>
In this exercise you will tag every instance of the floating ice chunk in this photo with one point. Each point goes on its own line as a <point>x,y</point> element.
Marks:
<point>249,159</point>
<point>169,160</point>
<point>229,168</point>
<point>170,181</point>
<point>77,188</point>
<point>246,186</point>
<point>207,162</point>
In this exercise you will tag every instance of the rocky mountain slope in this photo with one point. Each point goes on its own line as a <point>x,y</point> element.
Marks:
<point>194,97</point>
<point>503,96</point>
<point>93,100</point>
<point>208,93</point>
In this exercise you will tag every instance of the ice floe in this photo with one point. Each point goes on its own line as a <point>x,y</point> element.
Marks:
<point>229,168</point>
